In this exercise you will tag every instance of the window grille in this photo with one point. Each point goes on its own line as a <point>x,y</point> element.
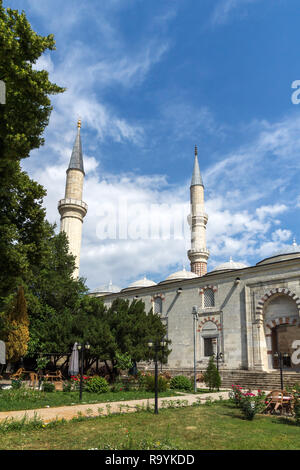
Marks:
<point>157,305</point>
<point>209,298</point>
<point>208,347</point>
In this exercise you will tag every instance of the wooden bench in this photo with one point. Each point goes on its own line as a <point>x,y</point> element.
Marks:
<point>53,376</point>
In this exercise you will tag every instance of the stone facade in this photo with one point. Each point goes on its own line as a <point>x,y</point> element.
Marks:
<point>240,316</point>
<point>247,313</point>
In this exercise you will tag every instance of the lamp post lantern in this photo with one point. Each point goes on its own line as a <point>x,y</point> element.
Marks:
<point>195,319</point>
<point>81,348</point>
<point>157,345</point>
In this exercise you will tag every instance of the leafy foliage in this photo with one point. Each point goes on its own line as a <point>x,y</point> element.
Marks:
<point>97,385</point>
<point>211,376</point>
<point>123,361</point>
<point>28,107</point>
<point>22,122</point>
<point>129,330</point>
<point>162,383</point>
<point>18,332</point>
<point>181,382</point>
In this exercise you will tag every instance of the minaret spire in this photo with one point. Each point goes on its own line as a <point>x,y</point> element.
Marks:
<point>76,160</point>
<point>72,209</point>
<point>198,254</point>
<point>196,178</point>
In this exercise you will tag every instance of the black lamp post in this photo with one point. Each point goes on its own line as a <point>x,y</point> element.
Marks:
<point>81,348</point>
<point>280,357</point>
<point>218,356</point>
<point>157,345</point>
<point>195,319</point>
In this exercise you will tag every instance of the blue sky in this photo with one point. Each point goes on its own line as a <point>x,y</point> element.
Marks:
<point>149,81</point>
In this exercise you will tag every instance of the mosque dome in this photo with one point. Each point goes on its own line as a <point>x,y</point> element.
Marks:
<point>109,288</point>
<point>180,275</point>
<point>288,252</point>
<point>140,283</point>
<point>229,266</point>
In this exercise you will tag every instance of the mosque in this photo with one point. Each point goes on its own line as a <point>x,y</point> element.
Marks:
<point>248,316</point>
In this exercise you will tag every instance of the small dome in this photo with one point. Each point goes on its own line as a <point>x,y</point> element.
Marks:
<point>141,283</point>
<point>294,248</point>
<point>109,288</point>
<point>179,275</point>
<point>230,265</point>
<point>289,252</point>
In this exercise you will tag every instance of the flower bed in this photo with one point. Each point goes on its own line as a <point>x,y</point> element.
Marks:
<point>249,403</point>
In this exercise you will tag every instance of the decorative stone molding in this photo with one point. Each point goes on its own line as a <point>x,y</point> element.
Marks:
<point>202,289</point>
<point>278,291</point>
<point>211,319</point>
<point>155,296</point>
<point>279,321</point>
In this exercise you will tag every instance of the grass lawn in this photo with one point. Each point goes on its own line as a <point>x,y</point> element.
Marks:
<point>216,427</point>
<point>26,399</point>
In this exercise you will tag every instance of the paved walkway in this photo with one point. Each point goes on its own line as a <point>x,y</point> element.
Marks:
<point>92,409</point>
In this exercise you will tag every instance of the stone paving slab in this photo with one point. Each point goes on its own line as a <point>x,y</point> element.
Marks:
<point>71,411</point>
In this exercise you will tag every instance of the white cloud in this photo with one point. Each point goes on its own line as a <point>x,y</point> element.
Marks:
<point>264,211</point>
<point>225,8</point>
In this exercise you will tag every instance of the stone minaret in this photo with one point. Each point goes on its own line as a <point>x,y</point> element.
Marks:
<point>198,254</point>
<point>72,209</point>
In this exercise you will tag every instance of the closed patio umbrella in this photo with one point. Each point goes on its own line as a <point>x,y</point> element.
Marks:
<point>74,361</point>
<point>2,353</point>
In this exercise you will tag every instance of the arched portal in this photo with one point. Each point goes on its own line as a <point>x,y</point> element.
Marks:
<point>281,329</point>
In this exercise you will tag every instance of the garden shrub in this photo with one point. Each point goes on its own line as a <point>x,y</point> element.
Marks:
<point>118,385</point>
<point>48,387</point>
<point>162,383</point>
<point>97,385</point>
<point>252,404</point>
<point>67,386</point>
<point>249,403</point>
<point>16,384</point>
<point>211,376</point>
<point>181,382</point>
<point>235,395</point>
<point>141,380</point>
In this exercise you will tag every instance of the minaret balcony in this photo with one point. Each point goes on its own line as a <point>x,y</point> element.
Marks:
<point>74,202</point>
<point>68,205</point>
<point>201,254</point>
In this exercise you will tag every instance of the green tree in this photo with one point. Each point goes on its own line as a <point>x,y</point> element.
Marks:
<point>131,329</point>
<point>18,334</point>
<point>28,107</point>
<point>54,297</point>
<point>22,229</point>
<point>22,122</point>
<point>211,376</point>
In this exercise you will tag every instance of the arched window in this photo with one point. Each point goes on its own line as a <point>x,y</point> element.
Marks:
<point>157,305</point>
<point>209,298</point>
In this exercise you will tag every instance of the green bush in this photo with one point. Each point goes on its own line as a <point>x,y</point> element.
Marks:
<point>252,404</point>
<point>16,384</point>
<point>48,387</point>
<point>67,386</point>
<point>181,382</point>
<point>97,385</point>
<point>162,383</point>
<point>212,377</point>
<point>297,410</point>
